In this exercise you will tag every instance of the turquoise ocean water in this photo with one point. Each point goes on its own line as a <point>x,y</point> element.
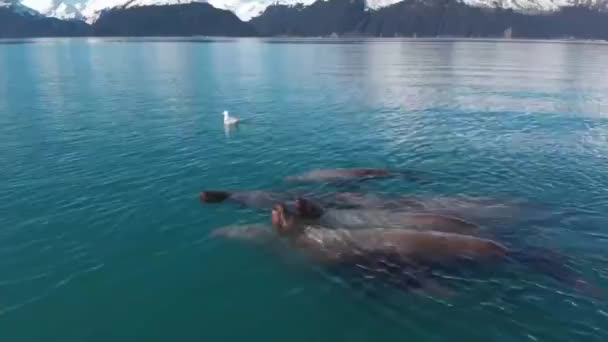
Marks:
<point>105,145</point>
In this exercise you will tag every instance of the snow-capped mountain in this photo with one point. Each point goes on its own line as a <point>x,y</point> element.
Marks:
<point>18,7</point>
<point>55,9</point>
<point>20,21</point>
<point>90,10</point>
<point>527,5</point>
<point>246,9</point>
<point>376,4</point>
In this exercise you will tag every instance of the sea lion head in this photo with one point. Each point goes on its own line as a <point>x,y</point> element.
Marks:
<point>307,209</point>
<point>284,221</point>
<point>214,196</point>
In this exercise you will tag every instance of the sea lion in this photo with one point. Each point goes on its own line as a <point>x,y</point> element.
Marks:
<point>261,199</point>
<point>476,209</point>
<point>335,245</point>
<point>309,212</point>
<point>258,199</point>
<point>375,201</point>
<point>402,258</point>
<point>378,268</point>
<point>430,203</point>
<point>341,175</point>
<point>417,249</point>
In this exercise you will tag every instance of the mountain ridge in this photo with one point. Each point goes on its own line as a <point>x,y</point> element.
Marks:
<point>407,18</point>
<point>91,10</point>
<point>177,20</point>
<point>19,21</point>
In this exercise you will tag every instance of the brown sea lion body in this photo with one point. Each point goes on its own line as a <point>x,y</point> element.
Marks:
<point>466,207</point>
<point>409,244</point>
<point>411,249</point>
<point>309,212</point>
<point>259,199</point>
<point>265,199</point>
<point>360,219</point>
<point>338,245</point>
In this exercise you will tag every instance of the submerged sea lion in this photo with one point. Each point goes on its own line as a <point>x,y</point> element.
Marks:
<point>255,199</point>
<point>261,199</point>
<point>311,213</point>
<point>365,200</point>
<point>340,175</point>
<point>465,207</point>
<point>374,201</point>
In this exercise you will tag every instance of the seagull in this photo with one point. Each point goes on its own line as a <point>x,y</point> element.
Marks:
<point>228,120</point>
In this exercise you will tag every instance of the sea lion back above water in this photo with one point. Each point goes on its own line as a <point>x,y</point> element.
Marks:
<point>309,212</point>
<point>401,250</point>
<point>333,245</point>
<point>427,249</point>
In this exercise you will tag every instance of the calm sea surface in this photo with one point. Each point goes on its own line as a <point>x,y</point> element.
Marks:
<point>105,144</point>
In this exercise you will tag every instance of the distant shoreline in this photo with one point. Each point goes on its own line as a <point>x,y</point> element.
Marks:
<point>288,39</point>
